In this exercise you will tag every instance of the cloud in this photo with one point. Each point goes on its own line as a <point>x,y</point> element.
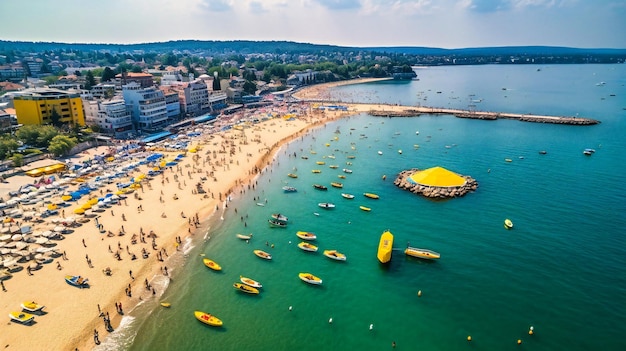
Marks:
<point>216,5</point>
<point>340,4</point>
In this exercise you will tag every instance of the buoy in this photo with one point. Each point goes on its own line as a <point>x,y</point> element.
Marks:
<point>530,332</point>
<point>290,308</point>
<point>469,338</point>
<point>371,326</point>
<point>519,341</point>
<point>330,321</point>
<point>419,293</point>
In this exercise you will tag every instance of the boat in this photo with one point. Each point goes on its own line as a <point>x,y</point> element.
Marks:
<point>342,176</point>
<point>77,280</point>
<point>244,236</point>
<point>306,235</point>
<point>508,160</point>
<point>310,278</point>
<point>289,189</point>
<point>279,217</point>
<point>276,223</point>
<point>366,209</point>
<point>21,317</point>
<point>351,157</point>
<point>166,304</point>
<point>333,166</point>
<point>588,151</point>
<point>345,170</point>
<point>400,151</point>
<point>326,205</point>
<point>371,195</point>
<point>385,246</point>
<point>246,288</point>
<point>421,253</point>
<point>304,157</point>
<point>212,264</point>
<point>316,171</point>
<point>347,196</point>
<point>32,306</point>
<point>508,224</point>
<point>334,255</point>
<point>208,319</point>
<point>336,184</point>
<point>262,254</point>
<point>320,163</point>
<point>251,282</point>
<point>260,204</point>
<point>292,175</point>
<point>417,132</point>
<point>307,246</point>
<point>543,152</point>
<point>380,152</point>
<point>320,187</point>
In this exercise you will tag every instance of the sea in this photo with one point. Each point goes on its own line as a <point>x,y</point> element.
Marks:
<point>560,272</point>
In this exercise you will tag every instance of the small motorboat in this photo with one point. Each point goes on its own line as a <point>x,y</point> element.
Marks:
<point>333,166</point>
<point>310,278</point>
<point>280,217</point>
<point>337,184</point>
<point>316,171</point>
<point>260,204</point>
<point>320,163</point>
<point>244,236</point>
<point>345,170</point>
<point>366,209</point>
<point>212,264</point>
<point>351,157</point>
<point>320,187</point>
<point>262,254</point>
<point>21,317</point>
<point>334,255</point>
<point>307,246</point>
<point>371,196</point>
<point>306,235</point>
<point>326,205</point>
<point>32,306</point>
<point>304,157</point>
<point>380,152</point>
<point>342,176</point>
<point>400,151</point>
<point>276,223</point>
<point>543,152</point>
<point>385,247</point>
<point>289,189</point>
<point>208,319</point>
<point>251,282</point>
<point>166,304</point>
<point>421,253</point>
<point>508,160</point>
<point>347,196</point>
<point>77,280</point>
<point>246,288</point>
<point>508,224</point>
<point>292,175</point>
<point>588,152</point>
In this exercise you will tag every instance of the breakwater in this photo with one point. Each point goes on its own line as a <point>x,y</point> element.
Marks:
<point>434,192</point>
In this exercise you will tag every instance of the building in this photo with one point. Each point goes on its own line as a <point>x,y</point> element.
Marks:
<point>39,106</point>
<point>195,98</point>
<point>146,105</point>
<point>172,104</point>
<point>115,119</point>
<point>13,73</point>
<point>103,90</point>
<point>143,79</point>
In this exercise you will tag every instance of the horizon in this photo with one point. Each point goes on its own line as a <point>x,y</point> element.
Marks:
<point>445,24</point>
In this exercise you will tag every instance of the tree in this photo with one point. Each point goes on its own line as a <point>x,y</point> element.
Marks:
<point>8,146</point>
<point>55,118</point>
<point>249,87</point>
<point>90,81</point>
<point>18,160</point>
<point>61,144</point>
<point>107,74</point>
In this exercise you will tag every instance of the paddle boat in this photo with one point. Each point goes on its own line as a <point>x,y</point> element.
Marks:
<point>310,278</point>
<point>347,196</point>
<point>289,189</point>
<point>32,306</point>
<point>336,184</point>
<point>246,288</point>
<point>366,209</point>
<point>208,319</point>
<point>166,304</point>
<point>280,217</point>
<point>421,253</point>
<point>320,187</point>
<point>21,317</point>
<point>244,237</point>
<point>212,264</point>
<point>306,235</point>
<point>276,223</point>
<point>371,196</point>
<point>262,254</point>
<point>334,255</point>
<point>326,205</point>
<point>345,170</point>
<point>292,175</point>
<point>77,280</point>
<point>307,246</point>
<point>385,246</point>
<point>251,282</point>
<point>508,224</point>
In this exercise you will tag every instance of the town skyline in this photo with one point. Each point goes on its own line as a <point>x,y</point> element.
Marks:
<point>440,24</point>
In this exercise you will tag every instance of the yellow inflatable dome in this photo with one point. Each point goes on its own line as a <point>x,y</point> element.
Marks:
<point>437,177</point>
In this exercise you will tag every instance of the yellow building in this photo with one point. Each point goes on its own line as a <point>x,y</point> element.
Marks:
<point>35,106</point>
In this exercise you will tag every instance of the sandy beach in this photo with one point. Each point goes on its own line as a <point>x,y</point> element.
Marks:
<point>152,223</point>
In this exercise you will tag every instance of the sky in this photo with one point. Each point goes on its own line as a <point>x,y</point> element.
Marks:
<point>428,23</point>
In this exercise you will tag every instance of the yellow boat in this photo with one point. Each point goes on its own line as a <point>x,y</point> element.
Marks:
<point>292,175</point>
<point>307,246</point>
<point>310,278</point>
<point>251,282</point>
<point>212,264</point>
<point>342,176</point>
<point>421,253</point>
<point>246,288</point>
<point>166,304</point>
<point>208,319</point>
<point>333,166</point>
<point>337,184</point>
<point>366,209</point>
<point>32,306</point>
<point>306,235</point>
<point>385,246</point>
<point>334,255</point>
<point>320,162</point>
<point>371,195</point>
<point>316,171</point>
<point>21,317</point>
<point>262,254</point>
<point>508,224</point>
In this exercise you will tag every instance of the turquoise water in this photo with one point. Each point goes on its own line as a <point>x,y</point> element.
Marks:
<point>560,270</point>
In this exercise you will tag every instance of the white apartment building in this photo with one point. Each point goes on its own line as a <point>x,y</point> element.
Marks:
<point>195,98</point>
<point>115,119</point>
<point>146,105</point>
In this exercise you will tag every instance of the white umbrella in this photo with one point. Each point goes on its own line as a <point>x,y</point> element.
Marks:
<point>41,240</point>
<point>47,233</point>
<point>20,245</point>
<point>16,237</point>
<point>4,231</point>
<point>58,229</point>
<point>5,237</point>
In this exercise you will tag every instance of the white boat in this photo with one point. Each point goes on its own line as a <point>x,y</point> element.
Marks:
<point>334,255</point>
<point>345,170</point>
<point>307,246</point>
<point>280,217</point>
<point>422,253</point>
<point>244,236</point>
<point>251,282</point>
<point>380,152</point>
<point>289,189</point>
<point>326,205</point>
<point>306,235</point>
<point>347,196</point>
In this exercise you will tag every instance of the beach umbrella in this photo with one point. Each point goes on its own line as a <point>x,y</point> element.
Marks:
<point>5,237</point>
<point>20,245</point>
<point>4,231</point>
<point>16,237</point>
<point>59,229</point>
<point>79,210</point>
<point>47,233</point>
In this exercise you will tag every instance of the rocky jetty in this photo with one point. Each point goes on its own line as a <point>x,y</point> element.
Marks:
<point>404,113</point>
<point>434,192</point>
